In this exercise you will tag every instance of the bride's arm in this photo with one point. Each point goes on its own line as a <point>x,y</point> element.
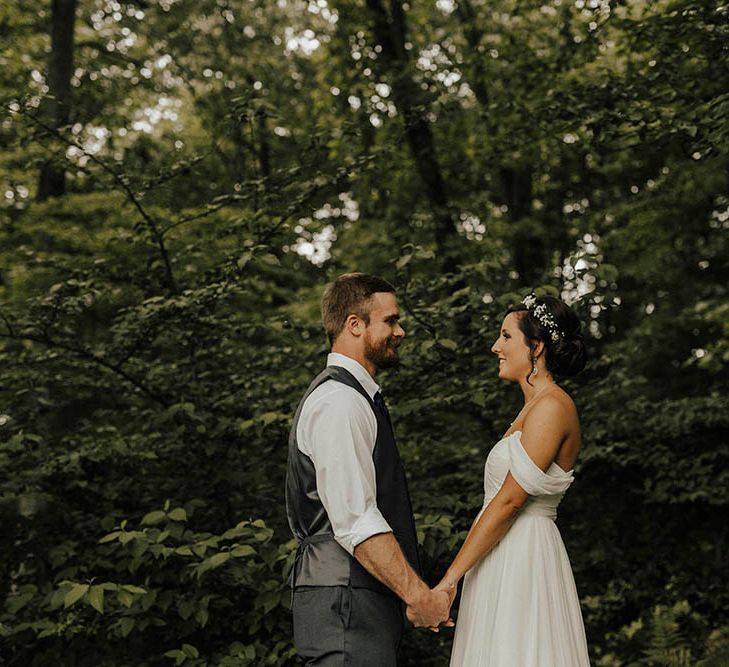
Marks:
<point>485,533</point>
<point>541,437</point>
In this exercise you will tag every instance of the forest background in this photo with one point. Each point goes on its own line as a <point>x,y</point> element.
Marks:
<point>178,182</point>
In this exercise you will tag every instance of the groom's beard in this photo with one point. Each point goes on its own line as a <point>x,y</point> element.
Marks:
<point>383,354</point>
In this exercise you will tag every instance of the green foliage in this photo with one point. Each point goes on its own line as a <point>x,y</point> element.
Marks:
<point>669,636</point>
<point>159,322</point>
<point>164,584</point>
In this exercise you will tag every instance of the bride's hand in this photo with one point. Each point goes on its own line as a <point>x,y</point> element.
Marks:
<point>430,609</point>
<point>448,587</point>
<point>450,591</point>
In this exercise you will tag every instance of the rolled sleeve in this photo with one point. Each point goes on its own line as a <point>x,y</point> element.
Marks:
<point>370,523</point>
<point>338,430</point>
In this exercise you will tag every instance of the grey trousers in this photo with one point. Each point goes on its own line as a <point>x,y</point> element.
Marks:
<point>341,625</point>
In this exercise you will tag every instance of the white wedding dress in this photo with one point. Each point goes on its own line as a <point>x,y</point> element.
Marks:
<point>519,605</point>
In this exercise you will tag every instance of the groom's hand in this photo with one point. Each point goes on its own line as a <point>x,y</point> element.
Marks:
<point>450,590</point>
<point>430,609</point>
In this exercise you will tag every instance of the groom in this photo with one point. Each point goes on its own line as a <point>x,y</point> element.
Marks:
<point>346,494</point>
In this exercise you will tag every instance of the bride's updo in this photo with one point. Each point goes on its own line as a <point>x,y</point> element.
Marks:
<point>564,345</point>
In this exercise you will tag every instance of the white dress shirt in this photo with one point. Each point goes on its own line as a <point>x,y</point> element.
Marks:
<point>337,430</point>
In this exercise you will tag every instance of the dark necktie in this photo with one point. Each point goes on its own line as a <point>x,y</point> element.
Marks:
<point>381,407</point>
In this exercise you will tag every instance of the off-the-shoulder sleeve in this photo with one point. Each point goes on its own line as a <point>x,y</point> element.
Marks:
<point>529,476</point>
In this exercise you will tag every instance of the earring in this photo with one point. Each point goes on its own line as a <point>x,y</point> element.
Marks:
<point>535,370</point>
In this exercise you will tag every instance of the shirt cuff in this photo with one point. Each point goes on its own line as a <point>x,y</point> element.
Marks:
<point>368,524</point>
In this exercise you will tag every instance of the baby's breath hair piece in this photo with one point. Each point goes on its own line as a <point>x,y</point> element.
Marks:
<point>543,316</point>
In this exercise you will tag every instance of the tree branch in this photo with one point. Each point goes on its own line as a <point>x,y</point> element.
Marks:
<point>88,356</point>
<point>123,184</point>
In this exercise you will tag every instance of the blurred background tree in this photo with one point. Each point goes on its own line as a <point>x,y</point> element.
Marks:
<point>180,180</point>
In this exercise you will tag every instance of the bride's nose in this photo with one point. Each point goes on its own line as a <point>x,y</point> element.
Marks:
<point>494,349</point>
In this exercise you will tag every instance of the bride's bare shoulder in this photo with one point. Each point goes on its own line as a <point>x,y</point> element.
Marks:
<point>565,401</point>
<point>557,406</point>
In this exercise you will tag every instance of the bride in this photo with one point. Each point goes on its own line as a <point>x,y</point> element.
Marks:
<point>519,605</point>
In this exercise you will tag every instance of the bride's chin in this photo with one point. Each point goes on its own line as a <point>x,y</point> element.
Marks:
<point>507,377</point>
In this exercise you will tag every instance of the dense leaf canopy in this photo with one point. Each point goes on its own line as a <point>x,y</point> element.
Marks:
<point>178,182</point>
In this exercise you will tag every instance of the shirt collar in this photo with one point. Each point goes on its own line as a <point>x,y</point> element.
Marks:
<point>355,368</point>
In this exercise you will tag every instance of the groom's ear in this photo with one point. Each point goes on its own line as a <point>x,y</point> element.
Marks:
<point>354,325</point>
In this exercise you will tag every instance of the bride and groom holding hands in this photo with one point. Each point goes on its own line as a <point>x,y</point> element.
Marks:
<point>347,501</point>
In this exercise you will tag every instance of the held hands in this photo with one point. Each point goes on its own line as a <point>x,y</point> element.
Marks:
<point>430,609</point>
<point>448,587</point>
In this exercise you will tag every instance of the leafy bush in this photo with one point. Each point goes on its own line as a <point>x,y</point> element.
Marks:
<point>161,591</point>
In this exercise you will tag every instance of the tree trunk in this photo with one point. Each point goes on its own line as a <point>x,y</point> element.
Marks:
<point>52,179</point>
<point>264,148</point>
<point>530,251</point>
<point>390,33</point>
<point>529,245</point>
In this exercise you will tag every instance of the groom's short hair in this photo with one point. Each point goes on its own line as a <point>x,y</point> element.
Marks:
<point>349,293</point>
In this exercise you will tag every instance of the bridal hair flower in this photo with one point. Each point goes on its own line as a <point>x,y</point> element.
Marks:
<point>543,316</point>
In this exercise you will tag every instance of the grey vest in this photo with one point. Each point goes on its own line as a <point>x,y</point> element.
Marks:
<point>320,560</point>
